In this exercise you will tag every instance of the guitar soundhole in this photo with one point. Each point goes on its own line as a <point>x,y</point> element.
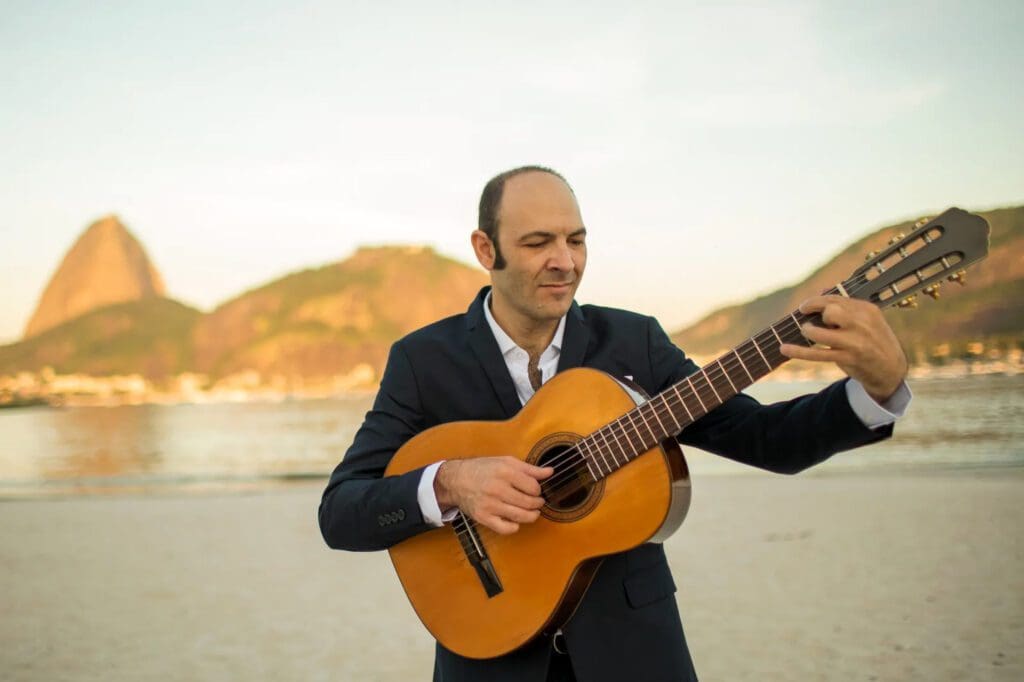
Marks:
<point>568,488</point>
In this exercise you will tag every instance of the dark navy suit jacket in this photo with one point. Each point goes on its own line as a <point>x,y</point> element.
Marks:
<point>627,626</point>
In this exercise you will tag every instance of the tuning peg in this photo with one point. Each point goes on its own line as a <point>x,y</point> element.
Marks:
<point>908,302</point>
<point>897,238</point>
<point>933,290</point>
<point>923,221</point>
<point>870,256</point>
<point>960,277</point>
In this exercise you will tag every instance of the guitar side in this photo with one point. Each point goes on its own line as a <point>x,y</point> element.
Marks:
<point>545,567</point>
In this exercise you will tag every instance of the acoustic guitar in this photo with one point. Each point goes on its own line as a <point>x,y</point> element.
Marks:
<point>619,478</point>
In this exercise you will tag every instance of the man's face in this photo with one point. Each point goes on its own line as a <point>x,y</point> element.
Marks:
<point>541,235</point>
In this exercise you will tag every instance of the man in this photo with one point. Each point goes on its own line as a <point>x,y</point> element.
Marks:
<point>516,335</point>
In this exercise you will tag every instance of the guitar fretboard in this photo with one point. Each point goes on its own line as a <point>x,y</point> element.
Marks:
<point>621,441</point>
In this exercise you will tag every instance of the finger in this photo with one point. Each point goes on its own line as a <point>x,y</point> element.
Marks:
<point>539,473</point>
<point>827,337</point>
<point>813,354</point>
<point>516,515</point>
<point>835,315</point>
<point>815,304</point>
<point>521,500</point>
<point>527,485</point>
<point>498,524</point>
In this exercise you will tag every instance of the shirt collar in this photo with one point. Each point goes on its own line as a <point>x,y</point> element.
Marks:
<point>505,342</point>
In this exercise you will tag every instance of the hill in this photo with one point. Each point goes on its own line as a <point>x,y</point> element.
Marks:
<point>990,309</point>
<point>105,265</point>
<point>151,337</point>
<point>324,321</point>
<point>308,326</point>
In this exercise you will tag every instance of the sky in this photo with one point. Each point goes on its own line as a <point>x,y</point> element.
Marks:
<point>718,150</point>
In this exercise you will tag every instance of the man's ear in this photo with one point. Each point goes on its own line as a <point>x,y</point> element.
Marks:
<point>483,247</point>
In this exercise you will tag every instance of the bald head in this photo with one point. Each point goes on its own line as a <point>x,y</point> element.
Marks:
<point>491,202</point>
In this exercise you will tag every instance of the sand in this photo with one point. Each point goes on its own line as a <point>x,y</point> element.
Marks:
<point>840,577</point>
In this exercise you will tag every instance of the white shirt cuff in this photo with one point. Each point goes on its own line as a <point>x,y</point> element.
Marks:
<point>874,415</point>
<point>426,497</point>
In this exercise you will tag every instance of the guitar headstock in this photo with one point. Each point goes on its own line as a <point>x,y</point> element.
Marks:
<point>936,249</point>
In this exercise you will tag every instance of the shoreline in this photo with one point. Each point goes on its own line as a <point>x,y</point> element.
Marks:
<point>110,391</point>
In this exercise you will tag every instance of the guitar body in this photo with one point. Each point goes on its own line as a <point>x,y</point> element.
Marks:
<point>545,567</point>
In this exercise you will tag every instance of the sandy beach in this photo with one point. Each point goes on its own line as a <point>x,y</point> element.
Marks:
<point>839,577</point>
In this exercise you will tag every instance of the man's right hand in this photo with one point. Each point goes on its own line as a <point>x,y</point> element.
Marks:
<point>499,492</point>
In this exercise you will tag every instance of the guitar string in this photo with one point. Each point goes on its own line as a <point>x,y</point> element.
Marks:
<point>565,471</point>
<point>706,373</point>
<point>566,474</point>
<point>791,333</point>
<point>714,374</point>
<point>563,477</point>
<point>566,466</point>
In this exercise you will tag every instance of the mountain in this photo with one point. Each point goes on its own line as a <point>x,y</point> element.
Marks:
<point>323,322</point>
<point>106,265</point>
<point>310,325</point>
<point>338,320</point>
<point>990,309</point>
<point>151,337</point>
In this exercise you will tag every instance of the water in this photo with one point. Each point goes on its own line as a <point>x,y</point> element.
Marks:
<point>966,423</point>
<point>974,422</point>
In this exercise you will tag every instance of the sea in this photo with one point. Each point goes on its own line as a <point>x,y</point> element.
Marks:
<point>970,423</point>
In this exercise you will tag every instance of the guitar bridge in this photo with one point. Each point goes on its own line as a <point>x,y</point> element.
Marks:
<point>473,546</point>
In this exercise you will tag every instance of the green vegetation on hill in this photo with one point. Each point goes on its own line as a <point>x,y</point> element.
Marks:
<point>324,321</point>
<point>316,323</point>
<point>151,336</point>
<point>990,309</point>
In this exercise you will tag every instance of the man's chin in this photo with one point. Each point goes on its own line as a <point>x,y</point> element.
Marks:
<point>553,310</point>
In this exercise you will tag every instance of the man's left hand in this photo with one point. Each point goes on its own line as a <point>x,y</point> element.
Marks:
<point>857,339</point>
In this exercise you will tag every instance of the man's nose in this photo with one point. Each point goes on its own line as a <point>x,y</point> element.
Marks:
<point>561,259</point>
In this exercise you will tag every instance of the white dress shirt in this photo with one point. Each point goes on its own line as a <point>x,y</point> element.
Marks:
<point>517,360</point>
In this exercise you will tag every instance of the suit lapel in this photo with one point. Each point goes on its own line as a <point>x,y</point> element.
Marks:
<point>485,347</point>
<point>574,340</point>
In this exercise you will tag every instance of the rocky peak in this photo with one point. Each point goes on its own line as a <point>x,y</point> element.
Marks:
<point>106,265</point>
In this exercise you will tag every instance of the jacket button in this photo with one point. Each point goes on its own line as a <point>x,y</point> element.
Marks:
<point>380,520</point>
<point>401,514</point>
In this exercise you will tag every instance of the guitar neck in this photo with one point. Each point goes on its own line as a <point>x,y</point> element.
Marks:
<point>619,442</point>
<point>936,249</point>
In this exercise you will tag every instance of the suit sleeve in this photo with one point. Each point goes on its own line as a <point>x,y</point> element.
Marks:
<point>360,509</point>
<point>785,437</point>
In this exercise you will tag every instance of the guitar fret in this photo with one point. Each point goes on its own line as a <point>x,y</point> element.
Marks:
<point>683,402</point>
<point>654,411</point>
<point>679,426</point>
<point>772,327</point>
<point>744,366</point>
<point>798,328</point>
<point>588,457</point>
<point>758,349</point>
<point>639,411</point>
<point>635,429</point>
<point>707,380</point>
<point>595,449</point>
<point>727,377</point>
<point>604,455</point>
<point>694,390</point>
<point>619,445</point>
<point>772,349</point>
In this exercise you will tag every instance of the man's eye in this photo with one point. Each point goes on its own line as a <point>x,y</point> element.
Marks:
<point>576,242</point>
<point>534,246</point>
